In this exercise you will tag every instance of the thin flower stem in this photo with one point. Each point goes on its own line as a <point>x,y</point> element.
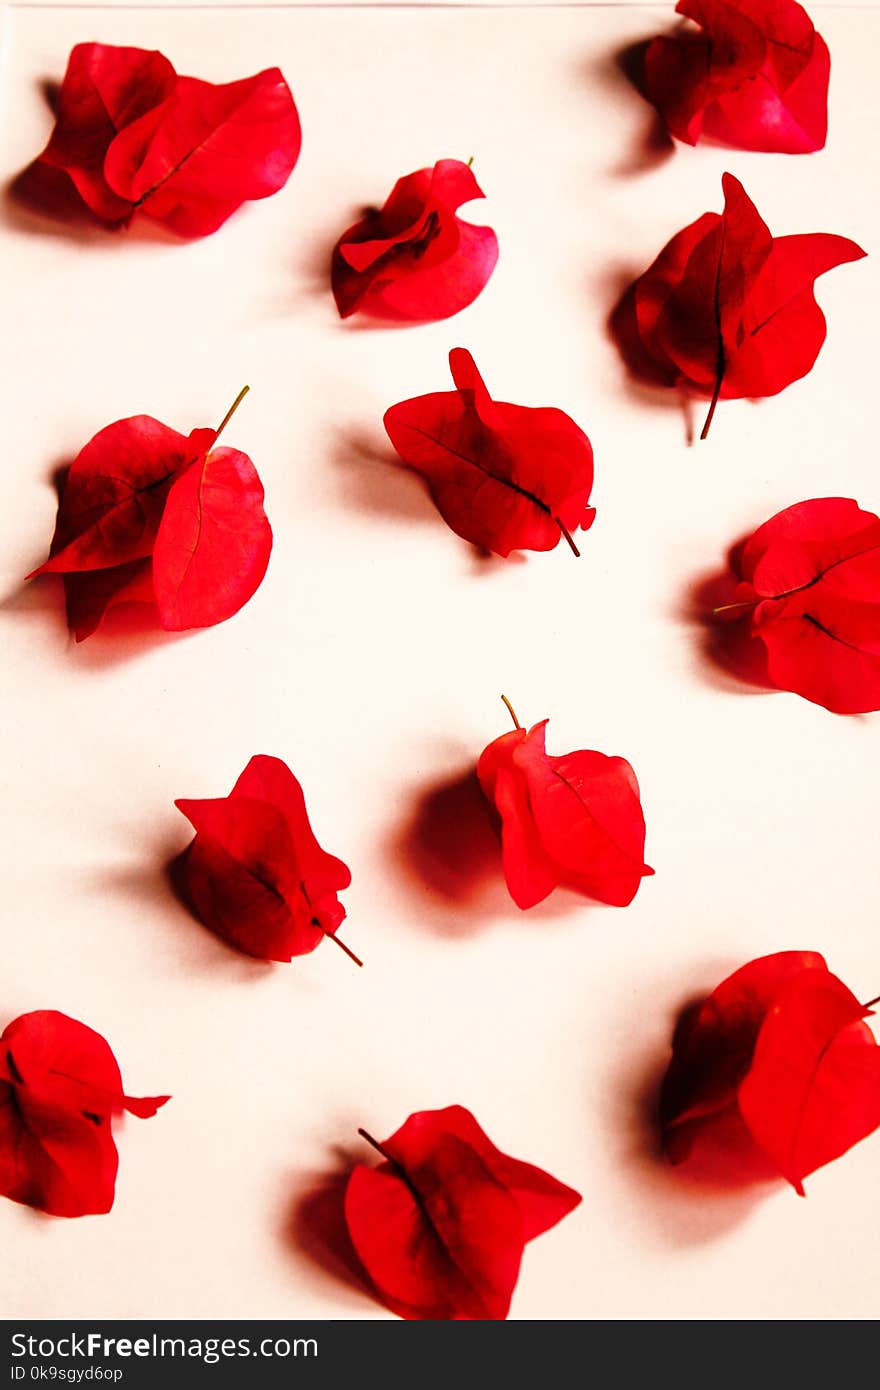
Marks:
<point>512,712</point>
<point>728,607</point>
<point>331,936</point>
<point>871,1002</point>
<point>375,1143</point>
<point>567,536</point>
<point>721,361</point>
<point>231,411</point>
<point>470,163</point>
<point>715,394</point>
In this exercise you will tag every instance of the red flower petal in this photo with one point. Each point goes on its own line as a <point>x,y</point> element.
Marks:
<point>133,135</point>
<point>193,161</point>
<point>59,1089</point>
<point>635,320</point>
<point>779,1049</point>
<point>757,78</point>
<point>147,515</point>
<point>115,493</point>
<point>403,1237</point>
<point>504,477</point>
<point>726,310</point>
<point>440,1225</point>
<point>90,595</point>
<point>414,260</point>
<point>813,1088</point>
<point>255,874</point>
<point>542,1199</point>
<point>573,821</point>
<point>713,1047</point>
<point>699,328</point>
<point>782,327</point>
<point>810,592</point>
<point>529,872</point>
<point>213,544</point>
<point>105,88</point>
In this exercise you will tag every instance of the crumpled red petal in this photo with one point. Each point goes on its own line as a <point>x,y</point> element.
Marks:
<point>756,78</point>
<point>414,260</point>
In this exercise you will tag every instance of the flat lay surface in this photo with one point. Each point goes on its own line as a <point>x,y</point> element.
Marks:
<point>372,660</point>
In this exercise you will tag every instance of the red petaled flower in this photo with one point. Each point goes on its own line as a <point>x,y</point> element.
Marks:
<point>727,310</point>
<point>776,1063</point>
<point>809,591</point>
<point>255,874</point>
<point>441,1224</point>
<point>504,477</point>
<point>132,137</point>
<point>150,515</point>
<point>573,821</point>
<point>414,260</point>
<point>59,1090</point>
<point>755,78</point>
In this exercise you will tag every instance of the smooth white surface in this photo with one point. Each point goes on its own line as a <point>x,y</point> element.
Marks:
<point>372,659</point>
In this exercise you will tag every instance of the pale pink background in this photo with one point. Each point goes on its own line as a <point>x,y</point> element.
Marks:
<point>372,660</point>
